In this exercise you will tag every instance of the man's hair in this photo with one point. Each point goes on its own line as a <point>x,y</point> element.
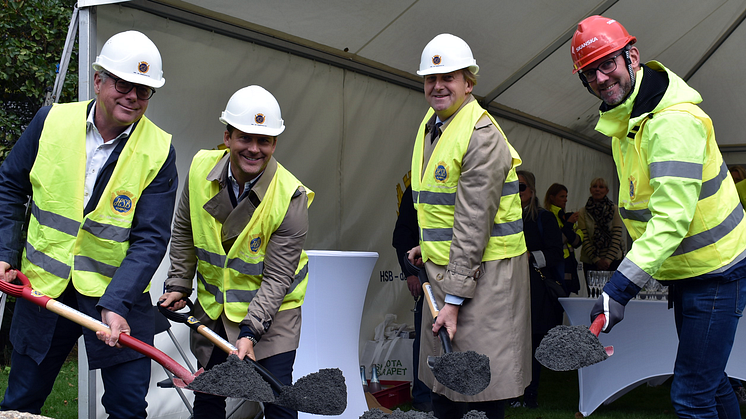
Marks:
<point>469,75</point>
<point>553,191</point>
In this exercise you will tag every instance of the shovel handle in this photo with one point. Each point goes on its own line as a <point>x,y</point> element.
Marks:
<point>217,340</point>
<point>598,324</point>
<point>26,292</point>
<point>430,297</point>
<point>445,339</point>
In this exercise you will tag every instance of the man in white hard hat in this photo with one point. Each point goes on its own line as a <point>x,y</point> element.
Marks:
<point>241,225</point>
<point>102,182</point>
<point>465,191</point>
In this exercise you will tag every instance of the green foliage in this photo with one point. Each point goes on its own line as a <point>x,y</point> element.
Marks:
<point>32,38</point>
<point>62,403</point>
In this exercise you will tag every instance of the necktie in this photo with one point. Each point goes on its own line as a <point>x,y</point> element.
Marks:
<point>436,132</point>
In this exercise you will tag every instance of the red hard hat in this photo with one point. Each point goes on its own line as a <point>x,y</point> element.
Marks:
<point>596,37</point>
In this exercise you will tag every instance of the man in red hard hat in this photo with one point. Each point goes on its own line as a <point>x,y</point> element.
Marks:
<point>679,204</point>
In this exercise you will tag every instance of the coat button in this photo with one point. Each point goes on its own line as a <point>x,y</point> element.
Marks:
<point>439,277</point>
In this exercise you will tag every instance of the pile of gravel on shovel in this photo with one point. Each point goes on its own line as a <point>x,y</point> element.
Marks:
<point>398,414</point>
<point>234,378</point>
<point>320,393</point>
<point>568,348</point>
<point>464,372</point>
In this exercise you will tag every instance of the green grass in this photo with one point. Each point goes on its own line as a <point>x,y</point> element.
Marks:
<point>62,403</point>
<point>559,396</point>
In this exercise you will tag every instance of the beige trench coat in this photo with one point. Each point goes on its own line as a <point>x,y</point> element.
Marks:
<point>495,319</point>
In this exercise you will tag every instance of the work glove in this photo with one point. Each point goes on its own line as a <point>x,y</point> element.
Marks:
<point>617,293</point>
<point>610,308</point>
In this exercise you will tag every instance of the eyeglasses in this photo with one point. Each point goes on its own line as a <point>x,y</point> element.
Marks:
<point>606,67</point>
<point>124,87</point>
<point>522,187</point>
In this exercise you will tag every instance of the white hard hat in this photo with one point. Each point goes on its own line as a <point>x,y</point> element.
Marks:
<point>132,56</point>
<point>254,110</point>
<point>446,53</point>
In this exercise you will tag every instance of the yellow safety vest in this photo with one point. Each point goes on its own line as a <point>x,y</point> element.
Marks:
<point>230,281</point>
<point>566,248</point>
<point>61,243</point>
<point>434,192</point>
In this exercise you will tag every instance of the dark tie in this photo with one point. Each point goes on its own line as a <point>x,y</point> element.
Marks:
<point>436,132</point>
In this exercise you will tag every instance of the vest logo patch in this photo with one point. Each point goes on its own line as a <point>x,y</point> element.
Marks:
<point>143,67</point>
<point>441,172</point>
<point>436,59</point>
<point>259,118</point>
<point>122,203</point>
<point>631,188</point>
<point>255,244</point>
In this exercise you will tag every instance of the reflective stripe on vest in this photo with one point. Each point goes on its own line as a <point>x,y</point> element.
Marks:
<point>229,282</point>
<point>61,243</point>
<point>718,229</point>
<point>434,191</point>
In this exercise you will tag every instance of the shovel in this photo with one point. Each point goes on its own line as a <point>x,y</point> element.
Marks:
<point>299,396</point>
<point>26,292</point>
<point>568,348</point>
<point>463,372</point>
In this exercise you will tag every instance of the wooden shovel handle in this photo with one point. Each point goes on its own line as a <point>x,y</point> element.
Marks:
<point>445,339</point>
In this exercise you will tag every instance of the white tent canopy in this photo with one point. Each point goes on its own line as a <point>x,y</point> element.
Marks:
<point>344,75</point>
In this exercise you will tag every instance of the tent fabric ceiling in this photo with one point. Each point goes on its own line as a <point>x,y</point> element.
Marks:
<point>522,47</point>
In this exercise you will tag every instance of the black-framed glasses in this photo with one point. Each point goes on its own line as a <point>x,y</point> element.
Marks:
<point>606,67</point>
<point>124,87</point>
<point>522,187</point>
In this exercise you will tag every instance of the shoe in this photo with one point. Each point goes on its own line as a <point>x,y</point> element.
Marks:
<point>531,403</point>
<point>740,395</point>
<point>426,407</point>
<point>515,403</point>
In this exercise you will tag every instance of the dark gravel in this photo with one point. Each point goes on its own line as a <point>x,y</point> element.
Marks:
<point>234,378</point>
<point>567,348</point>
<point>464,372</point>
<point>320,393</point>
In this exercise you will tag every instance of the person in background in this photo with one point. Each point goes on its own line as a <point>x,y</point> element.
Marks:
<point>601,226</point>
<point>465,191</point>
<point>555,201</point>
<point>406,236</point>
<point>100,220</point>
<point>240,226</point>
<point>544,243</point>
<point>679,207</point>
<point>739,175</point>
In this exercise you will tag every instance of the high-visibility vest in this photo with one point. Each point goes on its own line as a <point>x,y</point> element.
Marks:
<point>434,191</point>
<point>62,243</point>
<point>566,247</point>
<point>717,233</point>
<point>230,281</point>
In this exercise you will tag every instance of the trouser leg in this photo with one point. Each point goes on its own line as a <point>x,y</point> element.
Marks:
<point>281,366</point>
<point>125,388</point>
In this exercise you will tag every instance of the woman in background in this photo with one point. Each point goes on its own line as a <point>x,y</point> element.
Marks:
<point>544,244</point>
<point>555,200</point>
<point>601,225</point>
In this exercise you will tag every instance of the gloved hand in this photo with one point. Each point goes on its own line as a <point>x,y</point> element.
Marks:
<point>617,292</point>
<point>610,308</point>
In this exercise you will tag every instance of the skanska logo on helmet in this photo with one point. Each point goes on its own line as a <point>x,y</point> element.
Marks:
<point>585,44</point>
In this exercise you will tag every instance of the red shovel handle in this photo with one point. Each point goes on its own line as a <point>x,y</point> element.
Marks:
<point>598,324</point>
<point>26,292</point>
